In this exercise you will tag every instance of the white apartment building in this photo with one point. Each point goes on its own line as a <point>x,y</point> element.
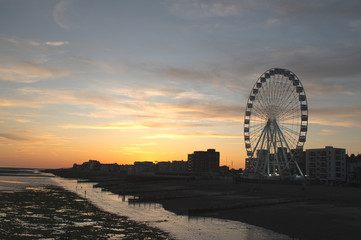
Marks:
<point>326,164</point>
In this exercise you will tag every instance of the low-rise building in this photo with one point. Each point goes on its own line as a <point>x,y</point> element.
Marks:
<point>179,166</point>
<point>174,166</point>
<point>109,167</point>
<point>142,168</point>
<point>164,166</point>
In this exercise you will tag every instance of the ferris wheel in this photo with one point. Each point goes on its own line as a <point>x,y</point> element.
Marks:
<point>275,124</point>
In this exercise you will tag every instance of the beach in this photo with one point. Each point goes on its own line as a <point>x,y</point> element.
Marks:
<point>31,208</point>
<point>53,213</point>
<point>301,212</point>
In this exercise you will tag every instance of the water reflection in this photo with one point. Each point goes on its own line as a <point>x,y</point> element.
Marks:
<point>180,227</point>
<point>19,181</point>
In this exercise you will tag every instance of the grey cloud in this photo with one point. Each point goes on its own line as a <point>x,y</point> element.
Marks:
<point>59,14</point>
<point>101,65</point>
<point>29,72</point>
<point>323,87</point>
<point>222,8</point>
<point>350,111</point>
<point>184,73</point>
<point>320,70</point>
<point>196,9</point>
<point>350,8</point>
<point>184,107</point>
<point>211,110</point>
<point>14,137</point>
<point>336,116</point>
<point>312,61</point>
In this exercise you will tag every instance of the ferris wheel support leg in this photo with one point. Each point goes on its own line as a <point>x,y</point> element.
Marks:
<point>292,155</point>
<point>283,150</point>
<point>275,155</point>
<point>299,169</point>
<point>268,149</point>
<point>261,137</point>
<point>275,163</point>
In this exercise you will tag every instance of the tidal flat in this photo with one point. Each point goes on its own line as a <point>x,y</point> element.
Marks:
<point>53,213</point>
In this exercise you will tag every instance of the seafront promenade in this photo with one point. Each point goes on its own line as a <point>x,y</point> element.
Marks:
<point>311,212</point>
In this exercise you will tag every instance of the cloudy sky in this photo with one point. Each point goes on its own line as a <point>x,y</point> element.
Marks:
<point>153,80</point>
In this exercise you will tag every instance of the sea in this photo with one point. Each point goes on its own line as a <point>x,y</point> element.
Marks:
<point>154,215</point>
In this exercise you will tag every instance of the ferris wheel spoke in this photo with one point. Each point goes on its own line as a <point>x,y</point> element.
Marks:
<point>274,90</point>
<point>291,110</point>
<point>257,135</point>
<point>260,133</point>
<point>257,118</point>
<point>265,95</point>
<point>290,105</point>
<point>259,139</point>
<point>284,142</point>
<point>289,100</point>
<point>286,124</point>
<point>290,118</point>
<point>259,113</point>
<point>291,141</point>
<point>291,138</point>
<point>263,101</point>
<point>286,107</point>
<point>289,130</point>
<point>287,141</point>
<point>287,96</point>
<point>283,145</point>
<point>255,131</point>
<point>258,126</point>
<point>280,91</point>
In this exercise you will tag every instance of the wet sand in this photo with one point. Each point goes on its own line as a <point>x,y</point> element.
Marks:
<point>313,212</point>
<point>53,213</point>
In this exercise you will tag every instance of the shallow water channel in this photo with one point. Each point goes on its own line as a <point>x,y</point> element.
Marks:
<point>179,227</point>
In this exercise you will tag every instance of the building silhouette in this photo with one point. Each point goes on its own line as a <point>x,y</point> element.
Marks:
<point>353,169</point>
<point>90,165</point>
<point>203,161</point>
<point>174,166</point>
<point>326,164</point>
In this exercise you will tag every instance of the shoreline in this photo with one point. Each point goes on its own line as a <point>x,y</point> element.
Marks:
<point>313,212</point>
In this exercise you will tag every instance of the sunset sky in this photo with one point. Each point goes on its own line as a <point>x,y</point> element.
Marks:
<point>153,80</point>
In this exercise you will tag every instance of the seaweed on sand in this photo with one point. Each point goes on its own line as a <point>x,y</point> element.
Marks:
<point>54,213</point>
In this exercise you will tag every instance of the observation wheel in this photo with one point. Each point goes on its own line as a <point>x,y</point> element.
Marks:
<point>275,124</point>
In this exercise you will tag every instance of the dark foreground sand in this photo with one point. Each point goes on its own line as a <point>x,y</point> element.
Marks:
<point>313,212</point>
